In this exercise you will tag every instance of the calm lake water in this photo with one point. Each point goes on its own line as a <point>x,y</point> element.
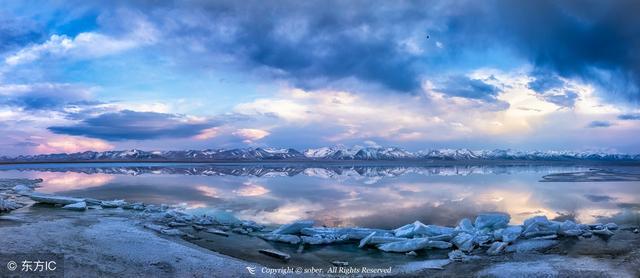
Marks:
<point>346,195</point>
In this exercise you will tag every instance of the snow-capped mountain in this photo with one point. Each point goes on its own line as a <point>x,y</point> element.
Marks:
<point>358,153</point>
<point>336,153</point>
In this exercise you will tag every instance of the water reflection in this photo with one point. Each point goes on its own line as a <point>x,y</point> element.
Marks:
<point>347,195</point>
<point>284,169</point>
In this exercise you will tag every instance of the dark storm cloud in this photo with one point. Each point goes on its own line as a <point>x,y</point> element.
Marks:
<point>564,99</point>
<point>132,125</point>
<point>592,40</point>
<point>16,32</point>
<point>314,43</point>
<point>319,44</point>
<point>597,124</point>
<point>634,116</point>
<point>44,96</point>
<point>599,198</point>
<point>462,86</point>
<point>544,82</point>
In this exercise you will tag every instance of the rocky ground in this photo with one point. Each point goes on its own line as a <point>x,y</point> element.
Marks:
<point>114,238</point>
<point>618,257</point>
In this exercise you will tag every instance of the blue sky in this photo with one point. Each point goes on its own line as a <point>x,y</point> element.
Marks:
<point>98,75</point>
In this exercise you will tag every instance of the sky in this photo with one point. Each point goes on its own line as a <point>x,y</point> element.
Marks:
<point>173,75</point>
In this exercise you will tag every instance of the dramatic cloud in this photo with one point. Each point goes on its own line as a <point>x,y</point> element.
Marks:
<point>291,73</point>
<point>462,86</point>
<point>596,124</point>
<point>311,43</point>
<point>592,40</point>
<point>131,125</point>
<point>316,43</point>
<point>635,116</point>
<point>43,96</point>
<point>15,32</point>
<point>562,99</point>
<point>339,117</point>
<point>544,82</point>
<point>85,45</point>
<point>599,198</point>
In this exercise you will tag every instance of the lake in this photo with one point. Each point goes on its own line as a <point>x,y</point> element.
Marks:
<point>383,196</point>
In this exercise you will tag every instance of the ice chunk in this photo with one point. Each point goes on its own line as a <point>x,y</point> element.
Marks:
<point>465,225</point>
<point>511,233</point>
<point>463,241</point>
<point>53,199</point>
<point>531,245</point>
<point>437,244</point>
<point>611,226</point>
<point>216,232</point>
<point>8,205</point>
<point>317,240</point>
<point>113,204</point>
<point>366,240</point>
<point>405,245</point>
<point>497,248</point>
<point>79,206</point>
<point>435,230</point>
<point>409,230</point>
<point>603,232</point>
<point>351,233</point>
<point>172,232</point>
<point>275,253</point>
<point>540,223</point>
<point>459,256</point>
<point>418,228</point>
<point>294,228</point>
<point>492,221</point>
<point>22,189</point>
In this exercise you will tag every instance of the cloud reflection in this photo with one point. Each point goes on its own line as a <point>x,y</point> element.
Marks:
<point>56,182</point>
<point>346,198</point>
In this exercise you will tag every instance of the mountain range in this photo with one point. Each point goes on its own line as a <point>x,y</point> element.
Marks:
<point>336,153</point>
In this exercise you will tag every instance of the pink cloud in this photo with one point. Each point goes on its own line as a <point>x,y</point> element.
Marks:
<point>70,144</point>
<point>251,134</point>
<point>207,134</point>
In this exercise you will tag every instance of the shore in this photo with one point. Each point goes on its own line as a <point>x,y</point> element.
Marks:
<point>115,242</point>
<point>112,244</point>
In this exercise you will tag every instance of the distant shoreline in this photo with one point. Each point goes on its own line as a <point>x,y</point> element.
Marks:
<point>470,162</point>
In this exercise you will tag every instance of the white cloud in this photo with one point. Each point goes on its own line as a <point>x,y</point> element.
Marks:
<point>251,189</point>
<point>340,116</point>
<point>371,143</point>
<point>394,117</point>
<point>87,44</point>
<point>251,134</point>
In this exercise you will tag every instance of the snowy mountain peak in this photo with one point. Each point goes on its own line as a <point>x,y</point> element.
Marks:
<point>339,152</point>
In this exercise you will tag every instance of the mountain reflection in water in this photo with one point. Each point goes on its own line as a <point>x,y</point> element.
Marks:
<point>385,196</point>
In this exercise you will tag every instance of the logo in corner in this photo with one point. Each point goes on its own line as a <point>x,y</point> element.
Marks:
<point>11,266</point>
<point>251,270</point>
